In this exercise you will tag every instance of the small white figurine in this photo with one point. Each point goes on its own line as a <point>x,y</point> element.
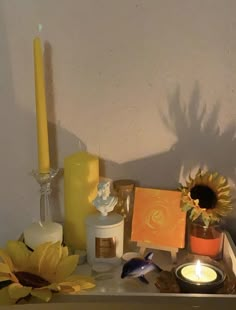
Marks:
<point>104,203</point>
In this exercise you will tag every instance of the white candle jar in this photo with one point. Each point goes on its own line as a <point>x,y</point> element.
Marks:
<point>105,236</point>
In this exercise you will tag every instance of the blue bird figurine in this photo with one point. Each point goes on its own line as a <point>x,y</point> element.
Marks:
<point>137,267</point>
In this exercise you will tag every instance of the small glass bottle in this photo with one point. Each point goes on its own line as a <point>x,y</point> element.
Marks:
<point>125,193</point>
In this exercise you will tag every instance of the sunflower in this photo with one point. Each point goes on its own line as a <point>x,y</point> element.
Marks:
<point>207,195</point>
<point>39,273</point>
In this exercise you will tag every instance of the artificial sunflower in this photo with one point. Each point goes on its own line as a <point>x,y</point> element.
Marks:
<point>207,195</point>
<point>39,273</point>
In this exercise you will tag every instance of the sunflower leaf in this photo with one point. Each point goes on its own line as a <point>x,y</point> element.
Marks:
<point>195,213</point>
<point>206,221</point>
<point>186,207</point>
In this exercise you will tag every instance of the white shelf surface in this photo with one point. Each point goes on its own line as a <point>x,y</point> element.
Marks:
<point>111,288</point>
<point>113,293</point>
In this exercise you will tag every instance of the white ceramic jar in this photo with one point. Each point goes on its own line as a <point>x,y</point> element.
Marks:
<point>105,236</point>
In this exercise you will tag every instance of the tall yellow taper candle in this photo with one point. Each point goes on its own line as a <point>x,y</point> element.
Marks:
<point>41,111</point>
<point>81,177</point>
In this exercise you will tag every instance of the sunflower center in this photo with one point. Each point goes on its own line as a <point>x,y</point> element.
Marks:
<point>207,197</point>
<point>31,280</point>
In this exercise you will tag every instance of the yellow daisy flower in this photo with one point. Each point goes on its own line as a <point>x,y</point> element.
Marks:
<point>39,273</point>
<point>207,195</point>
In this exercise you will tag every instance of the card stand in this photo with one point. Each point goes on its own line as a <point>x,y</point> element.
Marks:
<point>143,246</point>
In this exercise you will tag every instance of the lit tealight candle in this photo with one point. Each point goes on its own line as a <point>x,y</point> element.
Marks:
<point>38,233</point>
<point>199,277</point>
<point>199,273</point>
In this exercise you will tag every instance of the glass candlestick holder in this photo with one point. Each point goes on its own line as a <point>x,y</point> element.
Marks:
<point>45,181</point>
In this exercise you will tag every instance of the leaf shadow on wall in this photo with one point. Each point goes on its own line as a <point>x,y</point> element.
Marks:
<point>199,143</point>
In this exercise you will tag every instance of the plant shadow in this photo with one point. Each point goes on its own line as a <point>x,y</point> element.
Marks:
<point>200,142</point>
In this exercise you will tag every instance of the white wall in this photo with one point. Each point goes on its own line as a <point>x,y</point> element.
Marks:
<point>149,86</point>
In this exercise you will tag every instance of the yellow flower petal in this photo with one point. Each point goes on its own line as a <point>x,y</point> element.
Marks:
<point>50,261</point>
<point>66,289</point>
<point>78,277</point>
<point>86,285</point>
<point>75,289</point>
<point>13,278</point>
<point>5,299</point>
<point>84,282</point>
<point>6,259</point>
<point>70,288</point>
<point>67,283</point>
<point>54,287</point>
<point>4,278</point>
<point>66,267</point>
<point>17,291</point>
<point>65,251</point>
<point>82,285</point>
<point>43,294</point>
<point>4,268</point>
<point>37,256</point>
<point>19,254</point>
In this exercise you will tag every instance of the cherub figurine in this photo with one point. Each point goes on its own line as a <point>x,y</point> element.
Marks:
<point>104,203</point>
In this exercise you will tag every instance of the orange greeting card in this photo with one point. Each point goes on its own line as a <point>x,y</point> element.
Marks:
<point>157,218</point>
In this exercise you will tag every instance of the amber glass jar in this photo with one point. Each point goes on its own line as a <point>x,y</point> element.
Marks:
<point>124,190</point>
<point>206,240</point>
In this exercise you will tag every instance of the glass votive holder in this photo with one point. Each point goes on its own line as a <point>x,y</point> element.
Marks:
<point>206,240</point>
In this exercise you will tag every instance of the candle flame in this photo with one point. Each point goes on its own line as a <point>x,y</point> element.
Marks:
<point>198,269</point>
<point>40,27</point>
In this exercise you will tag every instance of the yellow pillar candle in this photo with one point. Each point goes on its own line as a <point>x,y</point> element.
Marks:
<point>41,111</point>
<point>81,177</point>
